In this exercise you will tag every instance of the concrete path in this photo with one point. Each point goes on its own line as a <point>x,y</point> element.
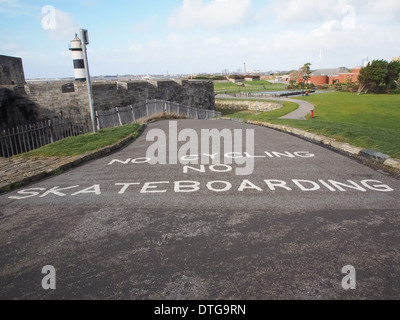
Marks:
<point>304,107</point>
<point>119,227</point>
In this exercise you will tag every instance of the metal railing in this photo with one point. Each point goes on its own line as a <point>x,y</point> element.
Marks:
<point>130,114</point>
<point>25,138</point>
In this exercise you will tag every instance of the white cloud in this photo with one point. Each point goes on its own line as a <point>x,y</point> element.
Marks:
<point>174,37</point>
<point>213,41</point>
<point>145,26</point>
<point>294,11</point>
<point>15,7</point>
<point>382,7</point>
<point>210,14</point>
<point>64,26</point>
<point>10,47</point>
<point>137,47</point>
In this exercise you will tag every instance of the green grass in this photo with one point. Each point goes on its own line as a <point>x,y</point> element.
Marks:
<point>288,107</point>
<point>74,146</point>
<point>366,121</point>
<point>254,86</point>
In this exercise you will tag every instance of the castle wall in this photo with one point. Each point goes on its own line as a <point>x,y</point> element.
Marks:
<point>11,71</point>
<point>22,102</point>
<point>53,102</point>
<point>68,99</point>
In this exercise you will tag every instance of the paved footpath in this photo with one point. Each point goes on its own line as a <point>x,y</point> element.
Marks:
<point>304,109</point>
<point>119,227</point>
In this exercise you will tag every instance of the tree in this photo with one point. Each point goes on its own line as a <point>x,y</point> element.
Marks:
<point>393,75</point>
<point>296,75</point>
<point>303,73</point>
<point>374,76</point>
<point>306,69</point>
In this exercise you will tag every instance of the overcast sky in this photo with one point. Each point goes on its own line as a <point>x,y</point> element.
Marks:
<point>183,36</point>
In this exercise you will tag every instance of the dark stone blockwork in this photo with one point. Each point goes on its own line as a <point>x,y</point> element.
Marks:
<point>22,103</point>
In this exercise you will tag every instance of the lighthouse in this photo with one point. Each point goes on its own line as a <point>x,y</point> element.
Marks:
<point>77,56</point>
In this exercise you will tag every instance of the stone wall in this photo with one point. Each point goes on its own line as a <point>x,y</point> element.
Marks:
<point>66,99</point>
<point>247,105</point>
<point>15,108</point>
<point>11,71</point>
<point>54,102</point>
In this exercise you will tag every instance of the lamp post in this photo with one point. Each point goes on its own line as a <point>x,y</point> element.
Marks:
<point>85,41</point>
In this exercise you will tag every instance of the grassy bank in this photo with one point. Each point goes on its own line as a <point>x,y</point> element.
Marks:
<point>366,121</point>
<point>288,107</point>
<point>255,86</point>
<point>74,146</point>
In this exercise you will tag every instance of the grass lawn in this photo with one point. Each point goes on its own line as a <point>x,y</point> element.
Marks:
<point>367,121</point>
<point>288,107</point>
<point>254,86</point>
<point>74,146</point>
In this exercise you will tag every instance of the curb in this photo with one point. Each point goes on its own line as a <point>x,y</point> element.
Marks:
<point>70,162</point>
<point>329,142</point>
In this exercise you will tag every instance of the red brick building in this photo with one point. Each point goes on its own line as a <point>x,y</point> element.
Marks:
<point>332,76</point>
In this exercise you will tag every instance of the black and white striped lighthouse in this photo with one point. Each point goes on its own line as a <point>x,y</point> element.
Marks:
<point>77,56</point>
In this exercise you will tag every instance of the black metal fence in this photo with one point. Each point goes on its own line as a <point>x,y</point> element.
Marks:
<point>125,115</point>
<point>33,136</point>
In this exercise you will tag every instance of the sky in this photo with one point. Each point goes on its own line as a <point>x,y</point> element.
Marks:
<point>198,36</point>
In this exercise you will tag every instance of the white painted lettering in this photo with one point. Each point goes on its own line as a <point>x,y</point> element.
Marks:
<point>56,191</point>
<point>29,193</point>
<point>205,157</point>
<point>228,186</point>
<point>190,158</point>
<point>301,183</point>
<point>202,169</point>
<point>125,186</point>
<point>304,154</point>
<point>246,184</point>
<point>377,187</point>
<point>248,155</point>
<point>141,160</point>
<point>119,161</point>
<point>225,168</point>
<point>273,184</point>
<point>353,185</point>
<point>93,189</point>
<point>286,154</point>
<point>325,184</point>
<point>186,186</point>
<point>234,155</point>
<point>150,186</point>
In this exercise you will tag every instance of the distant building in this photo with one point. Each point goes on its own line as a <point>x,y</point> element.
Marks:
<point>284,78</point>
<point>332,76</point>
<point>396,59</point>
<point>252,78</point>
<point>11,71</point>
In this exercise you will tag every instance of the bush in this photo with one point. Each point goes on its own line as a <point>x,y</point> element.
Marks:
<point>347,87</point>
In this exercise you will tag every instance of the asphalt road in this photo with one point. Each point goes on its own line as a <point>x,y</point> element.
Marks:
<point>122,228</point>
